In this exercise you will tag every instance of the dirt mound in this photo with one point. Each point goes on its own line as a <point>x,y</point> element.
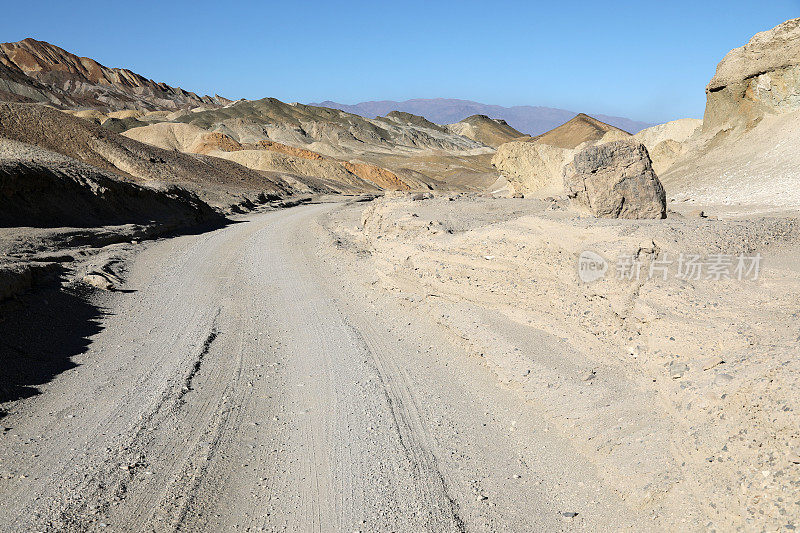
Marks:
<point>579,130</point>
<point>216,181</point>
<point>410,119</point>
<point>167,135</point>
<point>329,172</point>
<point>381,177</point>
<point>489,131</point>
<point>43,189</point>
<point>211,141</point>
<point>677,130</point>
<point>672,374</point>
<point>118,125</point>
<point>535,166</point>
<point>46,73</point>
<point>127,113</point>
<point>759,167</point>
<point>289,150</point>
<point>92,115</point>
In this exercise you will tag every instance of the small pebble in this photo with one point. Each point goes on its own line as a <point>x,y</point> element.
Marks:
<point>677,370</point>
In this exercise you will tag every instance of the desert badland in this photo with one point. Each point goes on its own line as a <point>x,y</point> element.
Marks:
<point>256,315</point>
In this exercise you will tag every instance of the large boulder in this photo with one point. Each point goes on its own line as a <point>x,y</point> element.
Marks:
<point>760,78</point>
<point>532,169</point>
<point>535,167</point>
<point>615,180</point>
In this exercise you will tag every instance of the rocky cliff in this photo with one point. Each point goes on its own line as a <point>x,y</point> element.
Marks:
<point>747,151</point>
<point>760,78</point>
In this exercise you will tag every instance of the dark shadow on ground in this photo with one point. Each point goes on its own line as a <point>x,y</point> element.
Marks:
<point>42,329</point>
<point>40,332</point>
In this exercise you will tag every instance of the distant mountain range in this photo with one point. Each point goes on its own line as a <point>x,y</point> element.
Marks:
<point>532,120</point>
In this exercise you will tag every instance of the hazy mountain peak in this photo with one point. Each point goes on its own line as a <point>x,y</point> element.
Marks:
<point>530,120</point>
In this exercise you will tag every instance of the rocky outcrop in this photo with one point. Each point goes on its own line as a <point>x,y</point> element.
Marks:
<point>667,142</point>
<point>532,169</point>
<point>757,79</point>
<point>535,167</point>
<point>17,277</point>
<point>615,180</point>
<point>42,72</point>
<point>747,151</point>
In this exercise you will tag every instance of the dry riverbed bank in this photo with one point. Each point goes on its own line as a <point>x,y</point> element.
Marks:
<point>682,392</point>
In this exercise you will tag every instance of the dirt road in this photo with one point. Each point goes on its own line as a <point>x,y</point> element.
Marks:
<point>244,384</point>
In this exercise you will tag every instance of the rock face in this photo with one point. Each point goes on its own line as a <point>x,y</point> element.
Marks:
<point>747,152</point>
<point>667,142</point>
<point>757,79</point>
<point>615,180</point>
<point>41,72</point>
<point>533,169</point>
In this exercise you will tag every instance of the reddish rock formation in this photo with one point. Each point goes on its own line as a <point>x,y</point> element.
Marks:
<point>42,72</point>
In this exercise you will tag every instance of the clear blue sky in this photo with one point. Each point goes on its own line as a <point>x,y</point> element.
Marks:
<point>644,60</point>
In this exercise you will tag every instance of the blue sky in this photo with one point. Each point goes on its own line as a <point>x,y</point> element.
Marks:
<point>644,60</point>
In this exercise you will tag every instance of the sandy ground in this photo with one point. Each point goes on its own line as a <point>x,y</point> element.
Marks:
<point>417,366</point>
<point>245,383</point>
<point>682,394</point>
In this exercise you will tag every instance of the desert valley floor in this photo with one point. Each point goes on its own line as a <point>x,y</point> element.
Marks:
<point>253,315</point>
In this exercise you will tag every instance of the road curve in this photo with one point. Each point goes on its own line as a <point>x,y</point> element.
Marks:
<point>242,385</point>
